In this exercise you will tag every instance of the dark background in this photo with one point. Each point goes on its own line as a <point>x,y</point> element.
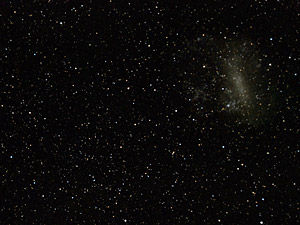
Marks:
<point>96,127</point>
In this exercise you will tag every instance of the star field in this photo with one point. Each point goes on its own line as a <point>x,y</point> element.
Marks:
<point>150,112</point>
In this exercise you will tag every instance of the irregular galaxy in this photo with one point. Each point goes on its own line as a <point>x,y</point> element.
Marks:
<point>233,80</point>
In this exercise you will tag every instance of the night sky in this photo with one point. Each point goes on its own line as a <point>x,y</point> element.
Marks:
<point>147,112</point>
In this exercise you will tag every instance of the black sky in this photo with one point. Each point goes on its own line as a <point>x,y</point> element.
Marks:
<point>102,121</point>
